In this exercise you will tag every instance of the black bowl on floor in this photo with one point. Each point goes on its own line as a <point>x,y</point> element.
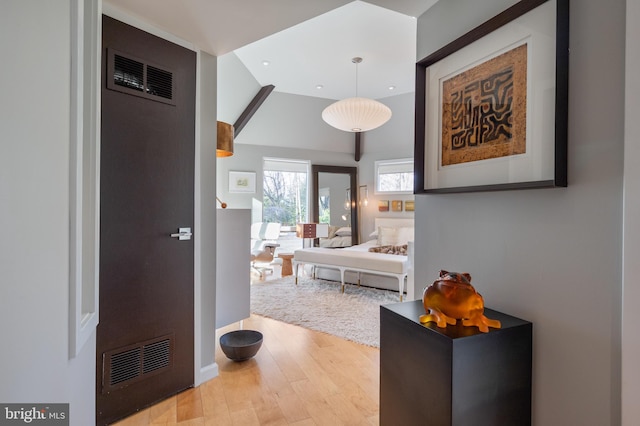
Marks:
<point>241,345</point>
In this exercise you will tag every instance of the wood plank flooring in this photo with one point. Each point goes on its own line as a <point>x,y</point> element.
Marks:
<point>299,377</point>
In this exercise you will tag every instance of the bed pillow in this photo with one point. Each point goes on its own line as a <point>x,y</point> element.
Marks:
<point>332,231</point>
<point>387,235</point>
<point>394,236</point>
<point>344,232</point>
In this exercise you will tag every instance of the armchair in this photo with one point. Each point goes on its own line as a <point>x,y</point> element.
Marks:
<point>263,246</point>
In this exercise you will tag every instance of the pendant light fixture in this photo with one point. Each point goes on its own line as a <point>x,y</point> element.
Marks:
<point>356,114</point>
<point>224,146</point>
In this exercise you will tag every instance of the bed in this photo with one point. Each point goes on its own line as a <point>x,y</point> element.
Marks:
<point>338,237</point>
<point>358,261</point>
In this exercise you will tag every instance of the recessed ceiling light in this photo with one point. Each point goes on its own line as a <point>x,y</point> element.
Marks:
<point>392,87</point>
<point>319,86</point>
<point>266,63</point>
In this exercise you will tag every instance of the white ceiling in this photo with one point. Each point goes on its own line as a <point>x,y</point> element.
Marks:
<point>307,42</point>
<point>320,51</point>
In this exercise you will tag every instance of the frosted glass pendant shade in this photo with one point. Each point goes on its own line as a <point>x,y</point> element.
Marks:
<point>356,114</point>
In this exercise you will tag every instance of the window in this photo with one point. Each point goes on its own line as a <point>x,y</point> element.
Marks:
<point>285,191</point>
<point>394,176</point>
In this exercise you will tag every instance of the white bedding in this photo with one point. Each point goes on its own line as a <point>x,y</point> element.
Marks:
<point>336,241</point>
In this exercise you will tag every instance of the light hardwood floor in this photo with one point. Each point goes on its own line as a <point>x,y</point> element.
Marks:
<point>299,377</point>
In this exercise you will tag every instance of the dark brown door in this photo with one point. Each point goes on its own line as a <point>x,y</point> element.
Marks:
<point>145,335</point>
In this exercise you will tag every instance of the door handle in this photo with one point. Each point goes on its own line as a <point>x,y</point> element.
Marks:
<point>182,234</point>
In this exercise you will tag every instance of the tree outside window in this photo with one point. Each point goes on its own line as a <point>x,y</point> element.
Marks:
<point>285,189</point>
<point>394,176</point>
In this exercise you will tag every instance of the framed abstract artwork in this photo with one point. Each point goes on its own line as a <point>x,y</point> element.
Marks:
<point>491,106</point>
<point>396,205</point>
<point>383,205</point>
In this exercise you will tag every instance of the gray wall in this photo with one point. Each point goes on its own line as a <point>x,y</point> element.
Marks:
<point>392,141</point>
<point>34,213</point>
<point>631,271</point>
<point>549,256</point>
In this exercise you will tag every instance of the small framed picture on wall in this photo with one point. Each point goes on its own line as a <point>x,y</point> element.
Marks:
<point>396,205</point>
<point>242,182</point>
<point>383,205</point>
<point>409,206</point>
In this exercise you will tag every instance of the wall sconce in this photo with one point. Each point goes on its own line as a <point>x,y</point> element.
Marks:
<point>224,146</point>
<point>347,201</point>
<point>364,201</point>
<point>345,216</point>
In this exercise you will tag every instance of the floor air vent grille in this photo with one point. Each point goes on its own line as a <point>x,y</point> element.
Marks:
<point>155,356</point>
<point>136,362</point>
<point>125,366</point>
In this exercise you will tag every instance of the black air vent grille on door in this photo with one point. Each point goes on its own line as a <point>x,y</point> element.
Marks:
<point>138,77</point>
<point>136,362</point>
<point>159,82</point>
<point>128,73</point>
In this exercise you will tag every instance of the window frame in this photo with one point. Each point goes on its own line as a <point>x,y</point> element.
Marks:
<point>283,160</point>
<point>399,161</point>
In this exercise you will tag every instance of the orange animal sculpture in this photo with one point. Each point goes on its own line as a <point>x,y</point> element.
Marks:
<point>452,297</point>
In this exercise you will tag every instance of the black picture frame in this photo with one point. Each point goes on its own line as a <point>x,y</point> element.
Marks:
<point>465,180</point>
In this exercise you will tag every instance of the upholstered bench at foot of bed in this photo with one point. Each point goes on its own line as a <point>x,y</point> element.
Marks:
<point>356,261</point>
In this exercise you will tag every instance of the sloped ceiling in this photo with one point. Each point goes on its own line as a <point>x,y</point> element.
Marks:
<point>307,42</point>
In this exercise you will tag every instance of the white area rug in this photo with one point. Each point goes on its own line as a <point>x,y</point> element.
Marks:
<point>320,305</point>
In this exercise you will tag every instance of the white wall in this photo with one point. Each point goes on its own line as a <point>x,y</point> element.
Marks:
<point>205,216</point>
<point>550,256</point>
<point>631,271</point>
<point>34,212</point>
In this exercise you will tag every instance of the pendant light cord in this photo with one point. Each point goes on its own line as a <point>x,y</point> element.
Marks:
<point>356,61</point>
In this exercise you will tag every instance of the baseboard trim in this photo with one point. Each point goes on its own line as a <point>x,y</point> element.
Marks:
<point>207,373</point>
